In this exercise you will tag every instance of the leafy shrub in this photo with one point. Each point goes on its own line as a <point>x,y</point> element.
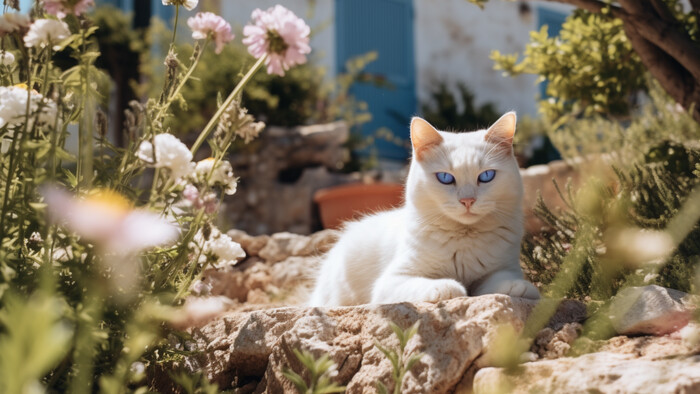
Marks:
<point>443,110</point>
<point>288,101</point>
<point>590,68</point>
<point>99,250</point>
<point>654,170</point>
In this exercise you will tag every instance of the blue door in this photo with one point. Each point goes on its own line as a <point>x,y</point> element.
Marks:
<point>384,26</point>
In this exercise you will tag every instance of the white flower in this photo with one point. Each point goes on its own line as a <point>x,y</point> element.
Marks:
<point>6,58</point>
<point>13,107</point>
<point>107,218</point>
<point>46,32</point>
<point>11,22</point>
<point>188,4</point>
<point>218,248</point>
<point>170,153</point>
<point>222,175</point>
<point>250,131</point>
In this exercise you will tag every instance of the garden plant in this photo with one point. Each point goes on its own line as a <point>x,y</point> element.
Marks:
<point>99,249</point>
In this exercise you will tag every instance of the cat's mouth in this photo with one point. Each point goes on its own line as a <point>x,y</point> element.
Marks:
<point>469,217</point>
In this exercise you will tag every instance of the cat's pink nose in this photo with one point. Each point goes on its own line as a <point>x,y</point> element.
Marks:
<point>468,202</point>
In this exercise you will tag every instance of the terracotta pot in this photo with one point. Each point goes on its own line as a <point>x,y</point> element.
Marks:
<point>341,203</point>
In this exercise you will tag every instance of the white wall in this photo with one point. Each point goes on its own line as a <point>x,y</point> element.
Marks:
<point>453,42</point>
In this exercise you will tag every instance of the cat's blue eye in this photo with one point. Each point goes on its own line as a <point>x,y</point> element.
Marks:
<point>487,176</point>
<point>445,178</point>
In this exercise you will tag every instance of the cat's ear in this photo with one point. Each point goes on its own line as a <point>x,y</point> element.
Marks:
<point>502,131</point>
<point>423,137</point>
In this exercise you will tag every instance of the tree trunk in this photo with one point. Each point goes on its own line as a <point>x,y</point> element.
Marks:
<point>663,45</point>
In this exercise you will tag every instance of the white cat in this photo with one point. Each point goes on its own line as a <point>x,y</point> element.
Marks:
<point>458,233</point>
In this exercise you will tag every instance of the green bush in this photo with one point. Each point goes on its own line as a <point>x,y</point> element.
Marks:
<point>655,163</point>
<point>590,68</point>
<point>287,101</point>
<point>88,303</point>
<point>443,109</point>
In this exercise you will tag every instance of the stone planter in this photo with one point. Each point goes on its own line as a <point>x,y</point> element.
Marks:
<point>341,203</point>
<point>280,171</point>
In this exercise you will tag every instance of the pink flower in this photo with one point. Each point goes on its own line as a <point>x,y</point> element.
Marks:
<point>107,218</point>
<point>61,8</point>
<point>280,34</point>
<point>205,23</point>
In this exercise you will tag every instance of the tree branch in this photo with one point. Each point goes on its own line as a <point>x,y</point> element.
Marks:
<point>594,6</point>
<point>662,10</point>
<point>666,36</point>
<point>672,76</point>
<point>696,5</point>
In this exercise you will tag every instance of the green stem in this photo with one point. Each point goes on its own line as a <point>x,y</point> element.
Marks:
<point>177,16</point>
<point>156,175</point>
<point>47,67</point>
<point>84,126</point>
<point>182,83</point>
<point>15,153</point>
<point>164,276</point>
<point>213,121</point>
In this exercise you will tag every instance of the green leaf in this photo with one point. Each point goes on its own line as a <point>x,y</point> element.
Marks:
<point>399,334</point>
<point>390,354</point>
<point>412,360</point>
<point>333,388</point>
<point>33,341</point>
<point>296,380</point>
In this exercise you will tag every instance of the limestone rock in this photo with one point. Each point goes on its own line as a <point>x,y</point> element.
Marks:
<point>454,335</point>
<point>555,344</point>
<point>279,173</point>
<point>251,244</point>
<point>602,372</point>
<point>279,268</point>
<point>648,310</point>
<point>283,245</point>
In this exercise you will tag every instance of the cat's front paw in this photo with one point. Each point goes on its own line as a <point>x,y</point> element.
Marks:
<point>443,289</point>
<point>518,288</point>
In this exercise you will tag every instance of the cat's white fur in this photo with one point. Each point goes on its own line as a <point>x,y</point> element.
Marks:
<point>432,248</point>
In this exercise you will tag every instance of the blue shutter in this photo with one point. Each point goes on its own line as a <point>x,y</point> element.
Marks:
<point>164,12</point>
<point>385,26</point>
<point>124,5</point>
<point>553,20</point>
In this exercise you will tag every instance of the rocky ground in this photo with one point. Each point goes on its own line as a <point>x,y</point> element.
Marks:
<point>248,337</point>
